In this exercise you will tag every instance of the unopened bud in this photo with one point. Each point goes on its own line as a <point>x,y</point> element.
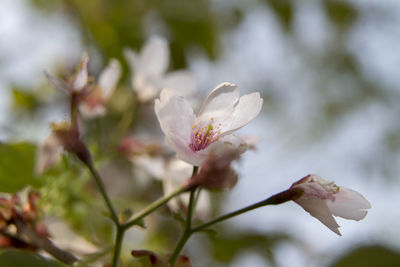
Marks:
<point>216,173</point>
<point>69,137</point>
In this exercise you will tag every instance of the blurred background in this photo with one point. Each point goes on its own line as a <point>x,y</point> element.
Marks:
<point>329,73</point>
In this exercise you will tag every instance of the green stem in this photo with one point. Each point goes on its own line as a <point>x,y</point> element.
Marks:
<point>153,206</point>
<point>188,227</point>
<point>102,190</point>
<point>273,200</point>
<point>118,244</point>
<point>121,228</point>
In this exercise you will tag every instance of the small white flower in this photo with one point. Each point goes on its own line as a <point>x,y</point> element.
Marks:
<point>149,71</point>
<point>94,105</point>
<point>193,137</point>
<point>322,199</point>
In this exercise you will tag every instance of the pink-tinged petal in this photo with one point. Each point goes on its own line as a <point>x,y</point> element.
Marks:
<point>318,209</point>
<point>81,78</point>
<point>248,107</point>
<point>219,105</point>
<point>48,154</point>
<point>109,78</point>
<point>57,83</point>
<point>349,204</point>
<point>227,144</point>
<point>183,150</point>
<point>182,82</point>
<point>175,115</point>
<point>322,199</point>
<point>154,57</point>
<point>88,111</point>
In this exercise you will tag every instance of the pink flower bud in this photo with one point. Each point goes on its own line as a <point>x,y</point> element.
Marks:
<point>216,172</point>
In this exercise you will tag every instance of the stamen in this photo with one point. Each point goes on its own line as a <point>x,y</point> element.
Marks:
<point>204,136</point>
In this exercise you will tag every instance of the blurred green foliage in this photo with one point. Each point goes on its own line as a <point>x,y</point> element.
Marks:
<point>26,259</point>
<point>112,25</point>
<point>226,246</point>
<point>24,100</point>
<point>16,167</point>
<point>369,256</point>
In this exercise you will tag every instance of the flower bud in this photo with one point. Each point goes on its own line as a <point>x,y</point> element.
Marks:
<point>69,137</point>
<point>216,172</point>
<point>322,199</point>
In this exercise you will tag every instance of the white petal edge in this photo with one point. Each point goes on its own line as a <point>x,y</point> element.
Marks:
<point>248,107</point>
<point>109,78</point>
<point>319,210</point>
<point>81,77</point>
<point>175,115</point>
<point>222,96</point>
<point>154,57</point>
<point>219,105</point>
<point>225,145</point>
<point>349,204</point>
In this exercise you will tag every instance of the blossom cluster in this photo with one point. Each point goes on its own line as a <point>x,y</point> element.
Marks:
<point>202,143</point>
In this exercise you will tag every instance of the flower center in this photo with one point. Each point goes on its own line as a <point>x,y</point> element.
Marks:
<point>204,136</point>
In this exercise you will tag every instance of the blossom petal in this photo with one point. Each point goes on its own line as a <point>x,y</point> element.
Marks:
<point>248,107</point>
<point>182,82</point>
<point>48,154</point>
<point>109,78</point>
<point>81,78</point>
<point>89,112</point>
<point>175,115</point>
<point>132,57</point>
<point>154,57</point>
<point>152,165</point>
<point>227,144</point>
<point>319,209</point>
<point>219,105</point>
<point>349,204</point>
<point>145,88</point>
<point>183,150</point>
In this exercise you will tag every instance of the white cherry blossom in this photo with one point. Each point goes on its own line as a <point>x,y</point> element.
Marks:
<point>149,71</point>
<point>322,199</point>
<point>193,137</point>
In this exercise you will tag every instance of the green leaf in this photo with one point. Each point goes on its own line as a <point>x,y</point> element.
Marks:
<point>369,256</point>
<point>16,167</point>
<point>18,259</point>
<point>24,99</point>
